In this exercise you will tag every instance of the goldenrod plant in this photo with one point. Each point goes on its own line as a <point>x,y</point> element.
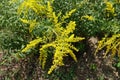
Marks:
<point>112,45</point>
<point>53,35</point>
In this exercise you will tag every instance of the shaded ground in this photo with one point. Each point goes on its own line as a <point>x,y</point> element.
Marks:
<point>96,69</point>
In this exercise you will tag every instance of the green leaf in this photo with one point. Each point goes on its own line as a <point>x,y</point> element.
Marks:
<point>118,65</point>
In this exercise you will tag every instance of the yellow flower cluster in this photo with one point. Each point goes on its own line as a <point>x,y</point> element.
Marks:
<point>72,39</point>
<point>24,20</point>
<point>110,9</point>
<point>112,45</point>
<point>31,22</point>
<point>49,10</point>
<point>58,59</point>
<point>31,4</point>
<point>91,18</point>
<point>53,17</point>
<point>43,53</point>
<point>32,44</point>
<point>69,28</point>
<point>32,25</point>
<point>68,14</point>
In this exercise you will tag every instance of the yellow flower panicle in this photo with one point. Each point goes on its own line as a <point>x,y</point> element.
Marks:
<point>24,20</point>
<point>91,18</point>
<point>110,9</point>
<point>68,14</point>
<point>49,10</point>
<point>31,44</point>
<point>53,17</point>
<point>112,45</point>
<point>58,60</point>
<point>72,54</point>
<point>31,4</point>
<point>100,45</point>
<point>43,53</point>
<point>43,57</point>
<point>69,28</point>
<point>32,23</point>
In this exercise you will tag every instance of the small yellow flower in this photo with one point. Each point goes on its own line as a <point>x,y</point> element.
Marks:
<point>91,18</point>
<point>31,22</point>
<point>68,14</point>
<point>49,10</point>
<point>69,28</point>
<point>32,25</point>
<point>32,44</point>
<point>109,7</point>
<point>24,20</point>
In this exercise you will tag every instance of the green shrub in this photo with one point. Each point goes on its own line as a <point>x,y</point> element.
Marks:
<point>12,37</point>
<point>104,21</point>
<point>12,31</point>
